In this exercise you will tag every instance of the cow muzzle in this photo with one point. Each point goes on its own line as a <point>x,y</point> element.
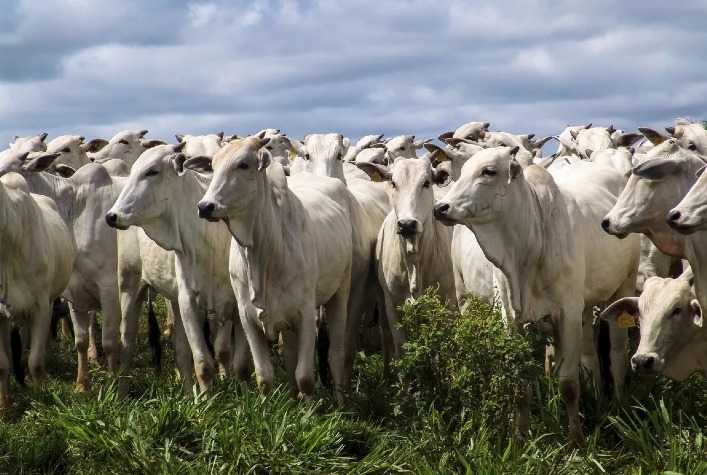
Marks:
<point>679,223</point>
<point>645,363</point>
<point>408,227</point>
<point>441,213</point>
<point>112,220</point>
<point>206,210</point>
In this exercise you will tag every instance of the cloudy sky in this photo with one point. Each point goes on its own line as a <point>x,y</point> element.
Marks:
<point>95,67</point>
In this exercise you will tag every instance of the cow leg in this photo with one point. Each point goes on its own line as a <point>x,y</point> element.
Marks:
<point>290,352</point>
<point>619,337</point>
<point>590,359</point>
<point>110,338</point>
<point>169,324</point>
<point>182,351</point>
<point>223,347</point>
<point>264,372</point>
<point>80,321</point>
<point>40,322</point>
<point>4,361</point>
<point>193,326</point>
<point>92,349</point>
<point>337,323</point>
<point>307,340</point>
<point>132,295</point>
<point>388,345</point>
<point>242,362</point>
<point>567,358</point>
<point>350,334</point>
<point>394,319</point>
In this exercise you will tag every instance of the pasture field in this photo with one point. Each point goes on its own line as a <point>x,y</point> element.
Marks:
<point>455,415</point>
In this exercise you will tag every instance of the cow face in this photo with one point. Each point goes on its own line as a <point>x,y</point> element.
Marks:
<point>127,146</point>
<point>690,214</point>
<point>200,145</point>
<point>403,146</point>
<point>238,178</point>
<point>321,154</point>
<point>656,184</point>
<point>691,137</point>
<point>70,149</point>
<point>668,316</point>
<point>480,194</point>
<point>146,195</point>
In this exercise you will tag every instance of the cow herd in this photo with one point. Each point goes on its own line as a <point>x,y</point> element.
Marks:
<point>266,238</point>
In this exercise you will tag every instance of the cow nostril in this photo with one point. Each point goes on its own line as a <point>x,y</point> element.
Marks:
<point>91,159</point>
<point>675,216</point>
<point>206,209</point>
<point>605,223</point>
<point>111,219</point>
<point>440,209</point>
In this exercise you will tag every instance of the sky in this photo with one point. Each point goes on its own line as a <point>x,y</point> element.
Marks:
<point>97,67</point>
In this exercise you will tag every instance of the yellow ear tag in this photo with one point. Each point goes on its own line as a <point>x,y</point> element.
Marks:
<point>626,320</point>
<point>293,154</point>
<point>375,176</point>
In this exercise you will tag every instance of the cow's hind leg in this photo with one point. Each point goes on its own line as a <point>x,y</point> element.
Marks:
<point>590,358</point>
<point>40,322</point>
<point>80,320</point>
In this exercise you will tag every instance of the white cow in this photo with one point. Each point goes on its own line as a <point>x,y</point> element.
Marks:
<point>23,145</point>
<point>71,150</point>
<point>369,207</point>
<point>403,146</point>
<point>37,257</point>
<point>661,179</point>
<point>363,143</point>
<point>127,145</point>
<point>543,235</point>
<point>413,249</point>
<point>689,135</point>
<point>291,253</point>
<point>472,130</point>
<point>673,338</point>
<point>160,197</point>
<point>200,145</point>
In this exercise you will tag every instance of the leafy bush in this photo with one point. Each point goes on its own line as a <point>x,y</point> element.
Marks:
<point>466,367</point>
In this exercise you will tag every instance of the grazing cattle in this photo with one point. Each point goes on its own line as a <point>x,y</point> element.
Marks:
<point>659,181</point>
<point>673,338</point>
<point>369,207</point>
<point>542,234</point>
<point>291,253</point>
<point>413,249</point>
<point>37,256</point>
<point>127,146</point>
<point>160,197</point>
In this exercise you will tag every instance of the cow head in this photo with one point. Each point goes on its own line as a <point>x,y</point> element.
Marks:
<point>480,193</point>
<point>321,154</point>
<point>668,315</point>
<point>127,146</point>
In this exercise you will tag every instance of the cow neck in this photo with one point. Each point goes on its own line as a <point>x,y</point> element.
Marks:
<point>259,229</point>
<point>16,208</point>
<point>58,188</point>
<point>668,241</point>
<point>531,242</point>
<point>696,255</point>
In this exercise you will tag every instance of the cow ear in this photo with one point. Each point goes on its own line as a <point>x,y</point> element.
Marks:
<point>445,136</point>
<point>653,136</point>
<point>670,130</point>
<point>441,176</point>
<point>696,312</point>
<point>198,164</point>
<point>219,135</point>
<point>41,163</point>
<point>94,145</point>
<point>437,152</point>
<point>375,171</point>
<point>616,309</point>
<point>178,162</point>
<point>43,136</point>
<point>420,143</point>
<point>514,170</point>
<point>656,168</point>
<point>264,159</point>
<point>574,134</point>
<point>152,143</point>
<point>179,147</point>
<point>629,139</point>
<point>64,171</point>
<point>296,148</point>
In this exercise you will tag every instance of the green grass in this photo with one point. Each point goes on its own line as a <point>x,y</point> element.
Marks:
<point>454,414</point>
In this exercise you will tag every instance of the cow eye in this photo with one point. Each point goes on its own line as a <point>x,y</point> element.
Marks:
<point>123,141</point>
<point>268,147</point>
<point>243,166</point>
<point>66,150</point>
<point>488,172</point>
<point>152,173</point>
<point>692,146</point>
<point>306,156</point>
<point>340,156</point>
<point>401,148</point>
<point>677,311</point>
<point>393,185</point>
<point>426,184</point>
